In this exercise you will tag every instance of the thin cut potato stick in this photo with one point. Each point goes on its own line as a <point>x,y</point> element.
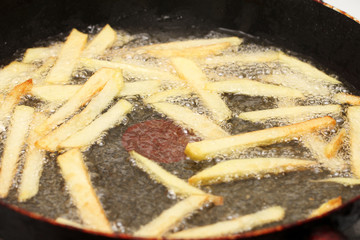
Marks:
<point>15,140</point>
<point>353,115</point>
<point>55,93</point>
<point>333,147</point>
<point>170,217</point>
<point>68,222</point>
<point>40,53</point>
<point>242,58</point>
<point>237,225</point>
<point>200,124</point>
<point>347,98</point>
<point>290,113</point>
<point>172,182</point>
<point>92,86</point>
<point>326,207</point>
<point>104,39</point>
<point>93,131</point>
<point>34,160</point>
<point>306,68</point>
<point>253,88</point>
<point>85,117</point>
<point>164,95</point>
<point>209,148</point>
<point>231,170</point>
<point>196,79</point>
<point>340,180</point>
<point>142,88</point>
<point>68,56</point>
<point>14,74</point>
<point>77,179</point>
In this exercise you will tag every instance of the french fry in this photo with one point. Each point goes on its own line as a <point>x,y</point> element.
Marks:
<point>20,122</point>
<point>209,148</point>
<point>78,181</point>
<point>340,180</point>
<point>306,68</point>
<point>164,95</point>
<point>333,147</point>
<point>14,74</point>
<point>326,207</point>
<point>142,88</point>
<point>253,88</point>
<point>85,117</point>
<point>55,93</point>
<point>104,39</point>
<point>93,131</point>
<point>242,58</point>
<point>41,53</point>
<point>291,114</point>
<point>231,170</point>
<point>34,160</point>
<point>237,225</point>
<point>170,217</point>
<point>11,100</point>
<point>92,86</point>
<point>68,56</point>
<point>173,183</point>
<point>68,222</point>
<point>200,124</point>
<point>353,115</point>
<point>347,98</point>
<point>196,79</point>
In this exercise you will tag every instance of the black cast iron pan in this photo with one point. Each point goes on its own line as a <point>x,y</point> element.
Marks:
<point>326,37</point>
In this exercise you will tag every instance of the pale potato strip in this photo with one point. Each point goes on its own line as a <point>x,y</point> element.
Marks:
<point>237,225</point>
<point>347,98</point>
<point>142,88</point>
<point>196,79</point>
<point>200,124</point>
<point>92,86</point>
<point>231,170</point>
<point>39,74</point>
<point>290,113</point>
<point>14,74</point>
<point>209,148</point>
<point>164,95</point>
<point>253,88</point>
<point>84,118</point>
<point>170,217</point>
<point>335,144</point>
<point>104,39</point>
<point>94,130</point>
<point>68,57</point>
<point>340,180</point>
<point>317,148</point>
<point>34,160</point>
<point>78,181</point>
<point>353,115</point>
<point>68,222</point>
<point>14,142</point>
<point>55,93</point>
<point>306,68</point>
<point>172,182</point>
<point>40,53</point>
<point>326,207</point>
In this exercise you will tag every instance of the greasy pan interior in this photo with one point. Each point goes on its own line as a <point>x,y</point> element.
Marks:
<point>325,37</point>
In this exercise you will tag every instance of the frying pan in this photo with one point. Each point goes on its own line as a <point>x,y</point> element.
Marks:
<point>327,38</point>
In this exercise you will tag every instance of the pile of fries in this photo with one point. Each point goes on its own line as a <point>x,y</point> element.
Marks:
<point>74,116</point>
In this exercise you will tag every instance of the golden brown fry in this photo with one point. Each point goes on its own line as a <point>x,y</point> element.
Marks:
<point>68,56</point>
<point>170,217</point>
<point>78,181</point>
<point>333,147</point>
<point>347,98</point>
<point>104,39</point>
<point>20,122</point>
<point>237,225</point>
<point>209,148</point>
<point>326,207</point>
<point>353,115</point>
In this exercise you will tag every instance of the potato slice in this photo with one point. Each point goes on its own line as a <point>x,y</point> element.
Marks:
<point>104,39</point>
<point>92,86</point>
<point>200,124</point>
<point>15,140</point>
<point>326,207</point>
<point>78,181</point>
<point>253,88</point>
<point>34,160</point>
<point>170,217</point>
<point>94,130</point>
<point>231,170</point>
<point>41,53</point>
<point>15,73</point>
<point>172,182</point>
<point>291,114</point>
<point>237,225</point>
<point>68,56</point>
<point>333,147</point>
<point>84,118</point>
<point>209,148</point>
<point>353,115</point>
<point>164,95</point>
<point>340,180</point>
<point>347,98</point>
<point>196,79</point>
